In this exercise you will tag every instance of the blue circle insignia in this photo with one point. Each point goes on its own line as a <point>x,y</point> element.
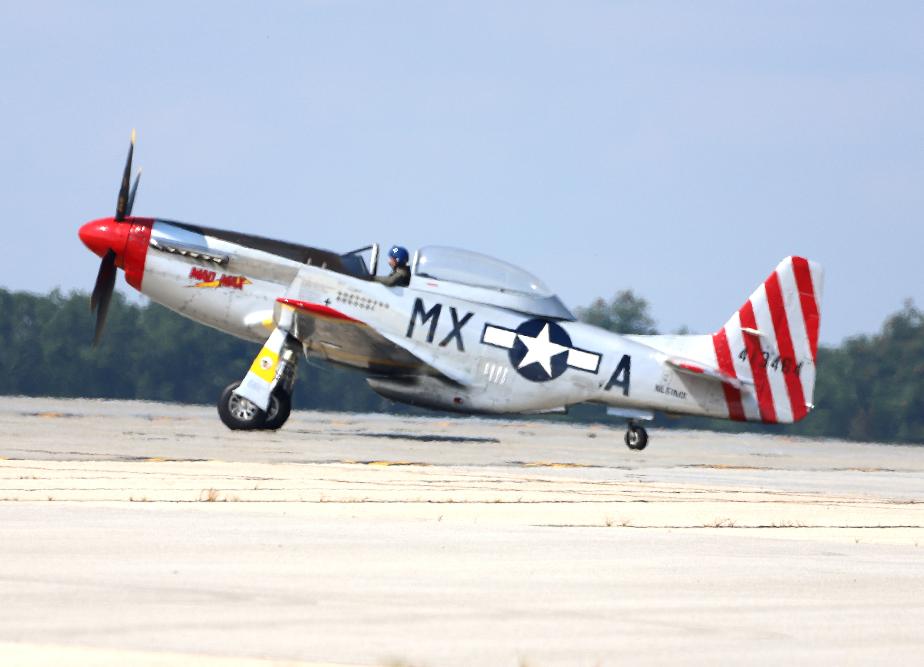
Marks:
<point>540,350</point>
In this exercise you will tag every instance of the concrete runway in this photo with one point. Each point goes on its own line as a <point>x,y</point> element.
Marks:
<point>148,534</point>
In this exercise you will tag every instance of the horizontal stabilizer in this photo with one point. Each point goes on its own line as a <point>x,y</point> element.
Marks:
<point>701,370</point>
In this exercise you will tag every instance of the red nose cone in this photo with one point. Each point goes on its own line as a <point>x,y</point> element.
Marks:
<point>104,235</point>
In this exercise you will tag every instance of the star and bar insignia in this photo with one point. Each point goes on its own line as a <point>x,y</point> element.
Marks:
<point>540,350</point>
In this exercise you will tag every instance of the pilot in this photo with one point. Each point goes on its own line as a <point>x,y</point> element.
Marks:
<point>400,275</point>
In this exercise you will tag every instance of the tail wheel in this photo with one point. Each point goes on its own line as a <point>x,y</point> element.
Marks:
<point>636,438</point>
<point>279,409</point>
<point>238,413</point>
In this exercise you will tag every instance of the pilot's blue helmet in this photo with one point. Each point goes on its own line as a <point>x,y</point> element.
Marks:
<point>400,255</point>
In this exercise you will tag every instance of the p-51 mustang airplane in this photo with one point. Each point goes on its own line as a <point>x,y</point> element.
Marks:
<point>469,333</point>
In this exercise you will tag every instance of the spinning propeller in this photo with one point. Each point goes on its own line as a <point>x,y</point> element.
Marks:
<point>102,236</point>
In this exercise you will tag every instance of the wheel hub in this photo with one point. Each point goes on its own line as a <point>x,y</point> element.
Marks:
<point>241,408</point>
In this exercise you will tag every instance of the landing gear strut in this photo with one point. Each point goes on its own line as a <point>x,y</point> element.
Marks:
<point>273,376</point>
<point>636,436</point>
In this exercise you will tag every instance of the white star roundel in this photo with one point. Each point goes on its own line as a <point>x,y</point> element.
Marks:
<point>540,350</point>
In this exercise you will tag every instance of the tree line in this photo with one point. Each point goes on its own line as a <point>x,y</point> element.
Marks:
<point>868,388</point>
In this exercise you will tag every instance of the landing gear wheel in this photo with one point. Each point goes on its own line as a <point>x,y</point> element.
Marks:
<point>636,437</point>
<point>279,408</point>
<point>238,413</point>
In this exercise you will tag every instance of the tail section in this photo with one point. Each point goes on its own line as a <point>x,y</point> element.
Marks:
<point>770,345</point>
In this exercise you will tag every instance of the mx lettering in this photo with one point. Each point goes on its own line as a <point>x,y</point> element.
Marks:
<point>433,317</point>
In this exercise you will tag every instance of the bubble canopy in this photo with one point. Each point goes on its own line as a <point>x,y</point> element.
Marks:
<point>481,279</point>
<point>476,270</point>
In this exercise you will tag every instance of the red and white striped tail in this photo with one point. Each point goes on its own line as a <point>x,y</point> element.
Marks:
<point>771,344</point>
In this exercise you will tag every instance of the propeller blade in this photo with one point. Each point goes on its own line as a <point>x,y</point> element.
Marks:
<point>131,196</point>
<point>122,203</point>
<point>102,292</point>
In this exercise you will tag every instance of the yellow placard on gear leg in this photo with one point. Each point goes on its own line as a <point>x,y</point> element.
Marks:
<point>264,366</point>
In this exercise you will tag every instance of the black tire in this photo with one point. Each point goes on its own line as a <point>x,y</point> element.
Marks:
<point>238,413</point>
<point>279,409</point>
<point>636,438</point>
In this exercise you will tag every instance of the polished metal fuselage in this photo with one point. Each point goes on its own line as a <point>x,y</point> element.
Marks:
<point>443,345</point>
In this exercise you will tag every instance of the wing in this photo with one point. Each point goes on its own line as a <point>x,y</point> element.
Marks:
<point>336,336</point>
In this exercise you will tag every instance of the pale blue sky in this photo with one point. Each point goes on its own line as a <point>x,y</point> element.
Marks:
<point>680,149</point>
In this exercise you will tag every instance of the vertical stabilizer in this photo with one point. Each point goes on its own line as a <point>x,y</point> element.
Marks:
<point>771,344</point>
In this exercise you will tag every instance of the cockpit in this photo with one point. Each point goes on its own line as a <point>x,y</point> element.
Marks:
<point>468,275</point>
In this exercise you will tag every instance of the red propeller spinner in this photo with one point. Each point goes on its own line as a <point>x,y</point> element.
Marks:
<point>103,235</point>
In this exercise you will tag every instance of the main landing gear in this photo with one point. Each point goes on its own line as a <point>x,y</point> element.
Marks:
<point>269,384</point>
<point>239,414</point>
<point>636,436</point>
